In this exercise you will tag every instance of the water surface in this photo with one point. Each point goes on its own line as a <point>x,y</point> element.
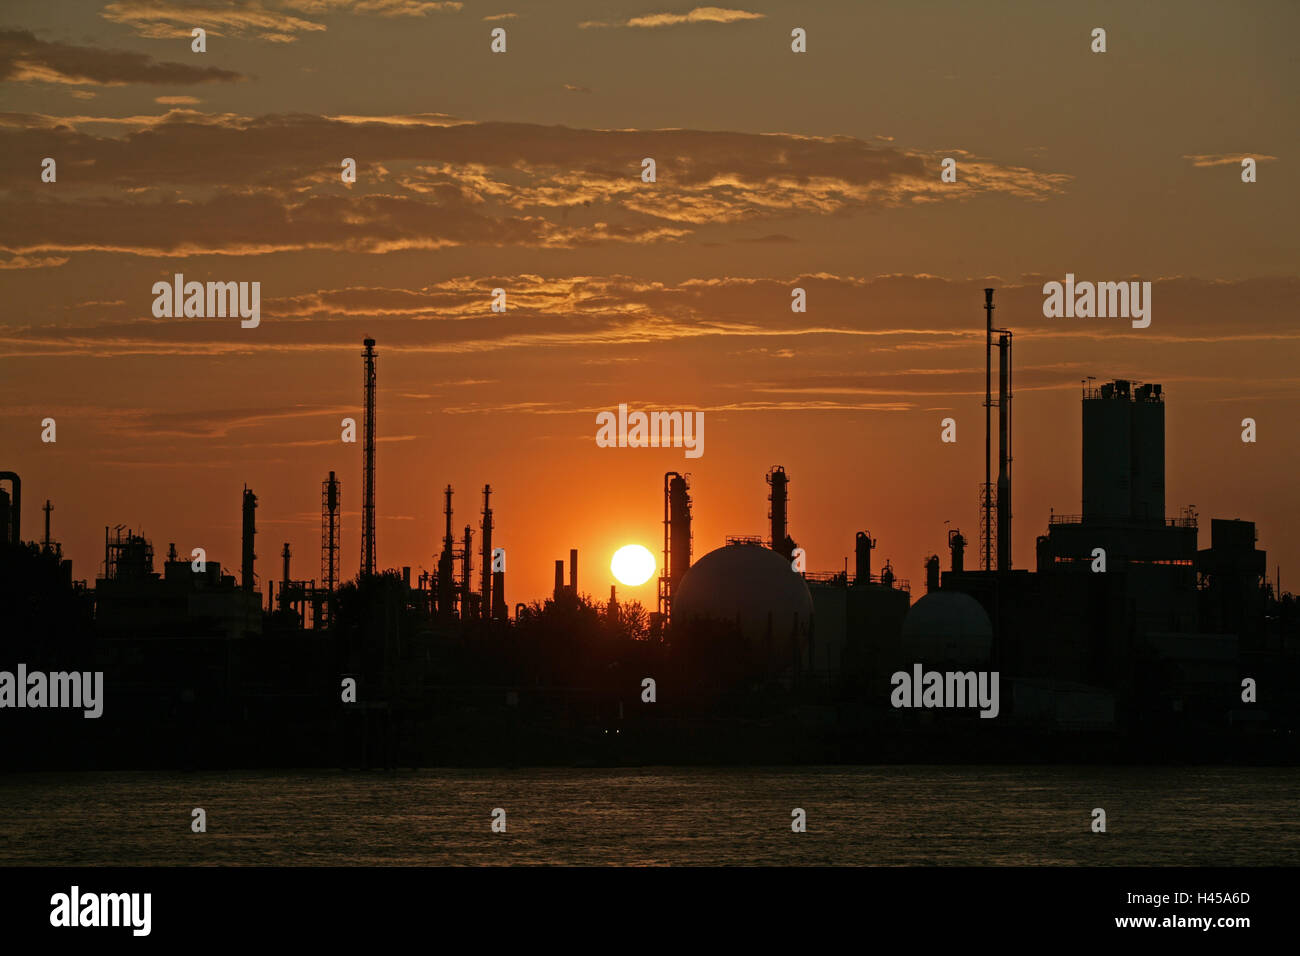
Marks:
<point>1216,816</point>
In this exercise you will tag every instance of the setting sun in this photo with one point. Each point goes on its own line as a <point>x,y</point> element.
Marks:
<point>632,565</point>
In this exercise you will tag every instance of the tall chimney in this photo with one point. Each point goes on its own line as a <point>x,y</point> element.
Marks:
<point>1004,451</point>
<point>931,573</point>
<point>499,610</point>
<point>285,555</point>
<point>446,565</point>
<point>573,571</point>
<point>247,556</point>
<point>559,578</point>
<point>329,533</point>
<point>368,466</point>
<point>466,567</point>
<point>779,498</point>
<point>986,549</point>
<point>45,546</point>
<point>677,538</point>
<point>862,556</point>
<point>485,555</point>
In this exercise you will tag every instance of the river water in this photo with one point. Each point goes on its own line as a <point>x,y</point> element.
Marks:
<point>893,815</point>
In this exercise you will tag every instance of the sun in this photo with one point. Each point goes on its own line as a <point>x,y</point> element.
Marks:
<point>632,565</point>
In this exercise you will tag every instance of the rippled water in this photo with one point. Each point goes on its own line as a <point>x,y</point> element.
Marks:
<point>860,815</point>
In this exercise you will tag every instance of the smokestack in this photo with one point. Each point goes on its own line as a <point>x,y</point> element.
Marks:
<point>957,545</point>
<point>13,519</point>
<point>778,498</point>
<point>406,575</point>
<point>466,567</point>
<point>677,538</point>
<point>250,529</point>
<point>862,557</point>
<point>485,549</point>
<point>285,555</point>
<point>931,573</point>
<point>1004,451</point>
<point>986,549</point>
<point>499,610</point>
<point>559,579</point>
<point>368,466</point>
<point>446,571</point>
<point>329,546</point>
<point>573,571</point>
<point>45,546</point>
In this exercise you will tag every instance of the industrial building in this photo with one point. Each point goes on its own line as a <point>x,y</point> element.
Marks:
<point>1122,626</point>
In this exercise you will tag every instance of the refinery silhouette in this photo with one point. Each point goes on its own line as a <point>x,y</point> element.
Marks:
<point>1123,642</point>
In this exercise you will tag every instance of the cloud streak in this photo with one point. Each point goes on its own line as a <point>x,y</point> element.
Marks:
<point>697,15</point>
<point>274,22</point>
<point>25,58</point>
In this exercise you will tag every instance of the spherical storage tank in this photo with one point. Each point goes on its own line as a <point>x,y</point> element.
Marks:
<point>749,583</point>
<point>947,626</point>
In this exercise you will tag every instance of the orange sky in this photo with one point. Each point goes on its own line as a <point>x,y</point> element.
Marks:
<point>522,171</point>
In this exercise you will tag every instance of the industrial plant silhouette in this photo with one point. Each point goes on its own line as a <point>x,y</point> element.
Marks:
<point>1124,642</point>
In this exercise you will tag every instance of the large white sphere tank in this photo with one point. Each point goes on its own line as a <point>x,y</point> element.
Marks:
<point>747,583</point>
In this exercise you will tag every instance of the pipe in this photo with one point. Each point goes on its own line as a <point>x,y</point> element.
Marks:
<point>986,554</point>
<point>485,555</point>
<point>1004,451</point>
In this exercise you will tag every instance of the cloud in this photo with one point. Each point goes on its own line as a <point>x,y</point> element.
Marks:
<point>164,20</point>
<point>576,89</point>
<point>601,316</point>
<point>379,8</point>
<point>274,22</point>
<point>1202,160</point>
<point>23,57</point>
<point>177,100</point>
<point>165,185</point>
<point>698,15</point>
<point>32,262</point>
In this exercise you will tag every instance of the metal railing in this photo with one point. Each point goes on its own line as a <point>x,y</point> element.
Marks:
<point>1183,522</point>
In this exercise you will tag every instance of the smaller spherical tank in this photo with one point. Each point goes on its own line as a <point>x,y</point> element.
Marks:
<point>947,626</point>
